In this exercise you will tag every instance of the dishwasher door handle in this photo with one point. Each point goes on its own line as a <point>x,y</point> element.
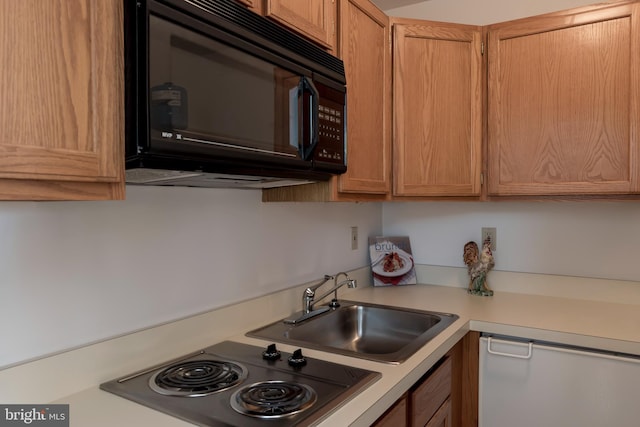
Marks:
<point>516,356</point>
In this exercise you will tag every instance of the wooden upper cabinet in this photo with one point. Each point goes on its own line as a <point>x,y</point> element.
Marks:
<point>437,108</point>
<point>563,105</point>
<point>62,121</point>
<point>315,19</point>
<point>364,48</point>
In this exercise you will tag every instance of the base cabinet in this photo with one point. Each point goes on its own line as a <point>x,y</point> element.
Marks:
<point>396,416</point>
<point>430,399</point>
<point>442,417</point>
<point>446,396</point>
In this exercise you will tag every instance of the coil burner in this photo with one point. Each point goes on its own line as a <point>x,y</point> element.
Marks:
<point>197,378</point>
<point>273,399</point>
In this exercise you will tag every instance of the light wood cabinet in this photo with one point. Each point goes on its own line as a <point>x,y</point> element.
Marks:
<point>564,103</point>
<point>547,108</point>
<point>62,90</point>
<point>437,108</point>
<point>364,48</point>
<point>315,19</point>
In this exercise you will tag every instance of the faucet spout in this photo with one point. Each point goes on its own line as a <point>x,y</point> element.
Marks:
<point>309,298</point>
<point>310,293</point>
<point>351,283</point>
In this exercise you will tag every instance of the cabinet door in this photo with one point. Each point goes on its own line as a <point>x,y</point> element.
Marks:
<point>564,100</point>
<point>396,416</point>
<point>442,417</point>
<point>437,107</point>
<point>364,48</point>
<point>316,19</point>
<point>61,79</point>
<point>431,394</point>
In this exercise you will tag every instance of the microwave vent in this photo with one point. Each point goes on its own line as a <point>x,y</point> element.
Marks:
<point>163,177</point>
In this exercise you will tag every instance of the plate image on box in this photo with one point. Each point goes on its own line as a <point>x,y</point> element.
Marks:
<point>392,261</point>
<point>393,264</point>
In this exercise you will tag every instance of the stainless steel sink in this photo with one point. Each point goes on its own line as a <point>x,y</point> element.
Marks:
<point>369,331</point>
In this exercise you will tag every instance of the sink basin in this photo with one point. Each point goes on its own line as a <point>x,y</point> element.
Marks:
<point>369,331</point>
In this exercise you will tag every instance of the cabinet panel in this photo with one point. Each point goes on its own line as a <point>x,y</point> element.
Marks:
<point>442,417</point>
<point>437,107</point>
<point>62,85</point>
<point>563,103</point>
<point>427,398</point>
<point>364,35</point>
<point>313,18</point>
<point>396,416</point>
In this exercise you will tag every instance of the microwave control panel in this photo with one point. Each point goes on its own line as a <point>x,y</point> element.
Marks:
<point>331,126</point>
<point>331,130</point>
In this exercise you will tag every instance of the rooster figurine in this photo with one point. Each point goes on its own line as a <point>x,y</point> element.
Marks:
<point>478,266</point>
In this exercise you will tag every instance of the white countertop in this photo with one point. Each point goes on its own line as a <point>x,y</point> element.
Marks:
<point>603,325</point>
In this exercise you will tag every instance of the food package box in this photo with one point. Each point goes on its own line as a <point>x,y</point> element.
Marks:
<point>392,261</point>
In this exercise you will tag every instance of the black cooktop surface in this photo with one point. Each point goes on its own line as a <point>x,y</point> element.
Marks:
<point>234,384</point>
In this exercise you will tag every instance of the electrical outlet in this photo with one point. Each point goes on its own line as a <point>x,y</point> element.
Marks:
<point>490,232</point>
<point>354,238</point>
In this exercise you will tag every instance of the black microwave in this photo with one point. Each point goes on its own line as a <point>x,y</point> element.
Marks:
<point>216,95</point>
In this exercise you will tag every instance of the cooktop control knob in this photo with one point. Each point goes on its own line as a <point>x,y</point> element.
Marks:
<point>271,353</point>
<point>297,359</point>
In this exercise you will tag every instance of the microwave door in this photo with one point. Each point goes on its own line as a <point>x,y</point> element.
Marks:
<point>211,97</point>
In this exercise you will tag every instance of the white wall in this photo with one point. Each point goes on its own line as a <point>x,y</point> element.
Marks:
<point>587,239</point>
<point>475,12</point>
<point>78,272</point>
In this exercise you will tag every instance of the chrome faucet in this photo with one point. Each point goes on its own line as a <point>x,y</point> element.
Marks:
<point>309,297</point>
<point>309,293</point>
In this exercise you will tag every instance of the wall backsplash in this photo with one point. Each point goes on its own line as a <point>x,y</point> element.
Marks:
<point>586,239</point>
<point>79,272</point>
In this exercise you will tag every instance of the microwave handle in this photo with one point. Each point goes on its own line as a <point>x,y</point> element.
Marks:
<point>308,146</point>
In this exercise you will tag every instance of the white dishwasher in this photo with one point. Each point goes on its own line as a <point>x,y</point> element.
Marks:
<point>531,384</point>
